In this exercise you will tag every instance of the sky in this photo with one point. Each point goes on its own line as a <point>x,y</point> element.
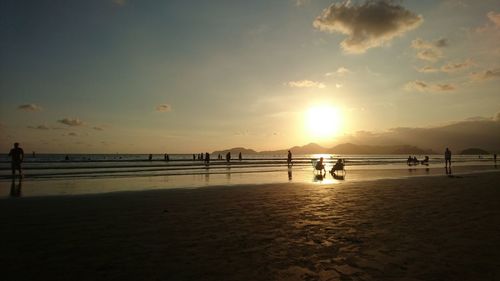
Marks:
<point>130,76</point>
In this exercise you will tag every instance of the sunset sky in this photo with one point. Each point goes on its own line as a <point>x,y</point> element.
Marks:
<point>189,76</point>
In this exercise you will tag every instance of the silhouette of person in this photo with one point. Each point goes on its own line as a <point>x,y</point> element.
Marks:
<point>447,157</point>
<point>495,157</point>
<point>228,157</point>
<point>16,155</point>
<point>66,158</point>
<point>320,166</point>
<point>165,157</point>
<point>34,155</point>
<point>240,157</point>
<point>289,159</point>
<point>150,157</point>
<point>207,158</point>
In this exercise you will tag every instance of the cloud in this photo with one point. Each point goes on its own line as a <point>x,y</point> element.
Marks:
<point>489,74</point>
<point>71,122</point>
<point>305,84</point>
<point>458,66</point>
<point>163,107</point>
<point>422,86</point>
<point>429,51</point>
<point>422,44</point>
<point>477,132</point>
<point>341,71</point>
<point>428,69</point>
<point>367,25</point>
<point>40,127</point>
<point>29,107</point>
<point>495,18</point>
<point>431,55</point>
<point>450,67</point>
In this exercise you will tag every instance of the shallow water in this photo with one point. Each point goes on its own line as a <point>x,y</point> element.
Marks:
<point>78,181</point>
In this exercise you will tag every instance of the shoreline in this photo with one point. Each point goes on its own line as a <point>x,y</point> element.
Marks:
<point>40,187</point>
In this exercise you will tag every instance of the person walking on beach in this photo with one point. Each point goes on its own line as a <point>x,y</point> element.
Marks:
<point>447,157</point>
<point>150,157</point>
<point>240,157</point>
<point>495,157</point>
<point>207,158</point>
<point>16,155</point>
<point>228,157</point>
<point>289,159</point>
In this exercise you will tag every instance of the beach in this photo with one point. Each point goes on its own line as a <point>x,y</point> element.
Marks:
<point>417,228</point>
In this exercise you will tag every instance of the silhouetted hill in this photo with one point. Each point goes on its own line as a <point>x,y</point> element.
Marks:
<point>346,148</point>
<point>235,151</point>
<point>350,148</point>
<point>474,151</point>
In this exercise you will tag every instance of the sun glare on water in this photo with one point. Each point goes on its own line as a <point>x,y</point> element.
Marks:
<point>323,121</point>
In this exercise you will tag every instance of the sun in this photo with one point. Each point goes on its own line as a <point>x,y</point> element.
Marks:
<point>323,121</point>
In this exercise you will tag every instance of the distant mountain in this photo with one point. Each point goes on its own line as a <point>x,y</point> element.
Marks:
<point>349,148</point>
<point>235,151</point>
<point>474,151</point>
<point>346,148</point>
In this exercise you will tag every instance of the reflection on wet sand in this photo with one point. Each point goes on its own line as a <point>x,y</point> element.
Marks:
<point>16,189</point>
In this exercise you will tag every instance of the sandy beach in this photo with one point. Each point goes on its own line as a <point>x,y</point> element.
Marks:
<point>421,228</point>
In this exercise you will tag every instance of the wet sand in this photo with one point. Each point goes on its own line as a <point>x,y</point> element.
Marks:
<point>421,228</point>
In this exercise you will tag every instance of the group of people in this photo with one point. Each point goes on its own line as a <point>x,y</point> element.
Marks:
<point>414,161</point>
<point>338,166</point>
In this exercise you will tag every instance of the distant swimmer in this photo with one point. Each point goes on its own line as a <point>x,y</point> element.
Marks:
<point>289,158</point>
<point>16,155</point>
<point>447,157</point>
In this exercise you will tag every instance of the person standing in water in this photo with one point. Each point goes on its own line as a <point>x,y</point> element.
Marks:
<point>289,159</point>
<point>240,157</point>
<point>447,157</point>
<point>16,155</point>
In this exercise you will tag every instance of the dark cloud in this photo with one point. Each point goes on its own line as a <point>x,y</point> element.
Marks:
<point>367,25</point>
<point>163,107</point>
<point>482,132</point>
<point>71,122</point>
<point>29,107</point>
